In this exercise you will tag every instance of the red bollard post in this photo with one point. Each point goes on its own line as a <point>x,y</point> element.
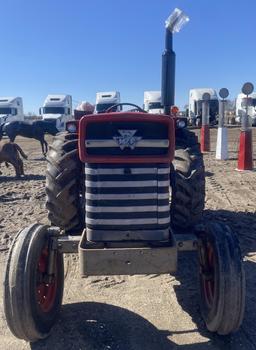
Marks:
<point>205,138</point>
<point>245,161</point>
<point>205,129</point>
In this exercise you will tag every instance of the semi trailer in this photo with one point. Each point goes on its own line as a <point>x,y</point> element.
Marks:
<point>241,108</point>
<point>11,109</point>
<point>105,100</point>
<point>153,102</point>
<point>195,106</point>
<point>57,109</point>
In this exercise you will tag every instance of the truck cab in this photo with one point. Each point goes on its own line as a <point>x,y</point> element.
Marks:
<point>105,100</point>
<point>241,108</point>
<point>195,105</point>
<point>57,109</point>
<point>152,102</point>
<point>11,109</point>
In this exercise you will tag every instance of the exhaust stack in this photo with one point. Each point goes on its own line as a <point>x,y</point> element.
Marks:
<point>173,24</point>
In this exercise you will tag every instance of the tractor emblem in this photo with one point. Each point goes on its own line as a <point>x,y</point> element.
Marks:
<point>127,139</point>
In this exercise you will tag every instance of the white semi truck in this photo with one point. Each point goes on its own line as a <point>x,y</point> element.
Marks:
<point>152,102</point>
<point>195,105</point>
<point>241,108</point>
<point>57,109</point>
<point>104,100</point>
<point>11,109</point>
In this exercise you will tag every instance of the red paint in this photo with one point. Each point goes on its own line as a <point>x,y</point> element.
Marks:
<point>45,292</point>
<point>131,117</point>
<point>205,138</point>
<point>245,160</point>
<point>209,281</point>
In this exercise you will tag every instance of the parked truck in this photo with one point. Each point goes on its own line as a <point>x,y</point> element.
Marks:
<point>241,108</point>
<point>195,105</point>
<point>57,109</point>
<point>11,109</point>
<point>105,100</point>
<point>152,102</point>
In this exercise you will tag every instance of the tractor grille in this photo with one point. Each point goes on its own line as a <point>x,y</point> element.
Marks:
<point>127,197</point>
<point>146,138</point>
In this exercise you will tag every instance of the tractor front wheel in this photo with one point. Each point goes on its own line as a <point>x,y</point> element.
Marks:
<point>222,280</point>
<point>32,297</point>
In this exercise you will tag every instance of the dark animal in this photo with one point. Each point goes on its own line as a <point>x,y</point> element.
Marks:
<point>36,130</point>
<point>10,153</point>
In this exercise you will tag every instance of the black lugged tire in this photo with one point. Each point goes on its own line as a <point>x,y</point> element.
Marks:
<point>64,183</point>
<point>223,311</point>
<point>24,315</point>
<point>188,182</point>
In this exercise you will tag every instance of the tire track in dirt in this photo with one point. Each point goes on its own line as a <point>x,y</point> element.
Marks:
<point>217,191</point>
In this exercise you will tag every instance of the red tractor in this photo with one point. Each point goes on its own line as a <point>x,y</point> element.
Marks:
<point>126,192</point>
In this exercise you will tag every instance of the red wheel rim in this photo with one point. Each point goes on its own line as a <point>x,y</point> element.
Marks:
<point>209,276</point>
<point>45,289</point>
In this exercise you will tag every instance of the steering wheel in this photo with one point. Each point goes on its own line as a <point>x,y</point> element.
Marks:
<point>125,104</point>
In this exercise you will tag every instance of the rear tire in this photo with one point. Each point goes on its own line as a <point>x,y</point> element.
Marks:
<point>188,182</point>
<point>222,279</point>
<point>64,183</point>
<point>31,301</point>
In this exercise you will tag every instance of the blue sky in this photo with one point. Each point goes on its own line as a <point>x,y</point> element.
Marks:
<point>80,47</point>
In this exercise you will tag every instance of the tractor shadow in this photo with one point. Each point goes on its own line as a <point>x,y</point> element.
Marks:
<point>98,326</point>
<point>188,293</point>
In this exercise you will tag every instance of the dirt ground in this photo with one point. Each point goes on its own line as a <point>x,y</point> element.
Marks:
<point>137,312</point>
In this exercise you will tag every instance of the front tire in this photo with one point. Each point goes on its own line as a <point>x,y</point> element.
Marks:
<point>32,301</point>
<point>222,280</point>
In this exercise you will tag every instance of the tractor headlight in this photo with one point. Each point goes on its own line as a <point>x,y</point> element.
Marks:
<point>181,124</point>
